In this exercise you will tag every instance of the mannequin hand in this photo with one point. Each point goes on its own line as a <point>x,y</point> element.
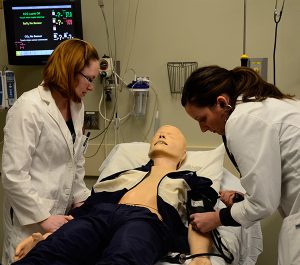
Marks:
<point>227,197</point>
<point>200,261</point>
<point>53,222</point>
<point>26,245</point>
<point>205,222</point>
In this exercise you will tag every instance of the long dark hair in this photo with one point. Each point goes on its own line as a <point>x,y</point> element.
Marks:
<point>205,84</point>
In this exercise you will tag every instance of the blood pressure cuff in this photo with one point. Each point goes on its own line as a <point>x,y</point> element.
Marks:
<point>200,205</point>
<point>201,199</point>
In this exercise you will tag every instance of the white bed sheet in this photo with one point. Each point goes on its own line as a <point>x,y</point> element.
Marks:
<point>245,244</point>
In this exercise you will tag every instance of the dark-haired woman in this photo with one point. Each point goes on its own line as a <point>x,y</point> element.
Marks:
<point>261,127</point>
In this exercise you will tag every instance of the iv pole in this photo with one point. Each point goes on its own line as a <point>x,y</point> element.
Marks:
<point>244,56</point>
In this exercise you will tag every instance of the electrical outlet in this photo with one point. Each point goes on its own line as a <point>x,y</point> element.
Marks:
<point>91,120</point>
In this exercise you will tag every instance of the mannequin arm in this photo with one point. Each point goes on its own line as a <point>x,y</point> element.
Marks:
<point>27,244</point>
<point>199,243</point>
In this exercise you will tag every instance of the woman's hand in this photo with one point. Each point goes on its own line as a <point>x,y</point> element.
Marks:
<point>205,222</point>
<point>53,222</point>
<point>78,204</point>
<point>227,197</point>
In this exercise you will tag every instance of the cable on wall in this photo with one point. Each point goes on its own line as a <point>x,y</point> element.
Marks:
<point>244,56</point>
<point>115,119</point>
<point>132,39</point>
<point>277,18</point>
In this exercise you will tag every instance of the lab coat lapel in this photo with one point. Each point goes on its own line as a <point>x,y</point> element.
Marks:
<point>77,120</point>
<point>56,115</point>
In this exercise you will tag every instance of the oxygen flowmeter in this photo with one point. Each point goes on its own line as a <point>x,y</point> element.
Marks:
<point>106,67</point>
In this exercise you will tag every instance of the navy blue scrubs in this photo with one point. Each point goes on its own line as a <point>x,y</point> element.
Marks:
<point>112,234</point>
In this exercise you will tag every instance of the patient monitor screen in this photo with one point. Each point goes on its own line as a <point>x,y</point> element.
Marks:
<point>35,30</point>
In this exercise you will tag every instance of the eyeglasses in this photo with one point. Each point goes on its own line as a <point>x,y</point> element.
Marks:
<point>91,80</point>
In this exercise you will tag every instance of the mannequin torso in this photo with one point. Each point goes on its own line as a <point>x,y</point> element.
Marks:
<point>145,193</point>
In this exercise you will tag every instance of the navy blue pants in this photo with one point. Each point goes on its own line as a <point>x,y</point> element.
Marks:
<point>112,234</point>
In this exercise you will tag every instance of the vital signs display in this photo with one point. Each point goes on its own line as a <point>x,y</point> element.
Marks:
<point>35,27</point>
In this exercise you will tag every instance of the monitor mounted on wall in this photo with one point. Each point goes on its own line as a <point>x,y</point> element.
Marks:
<point>35,27</point>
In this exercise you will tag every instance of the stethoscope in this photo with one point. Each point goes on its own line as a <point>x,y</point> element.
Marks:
<point>224,252</point>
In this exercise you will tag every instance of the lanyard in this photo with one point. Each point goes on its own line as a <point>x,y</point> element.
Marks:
<point>230,155</point>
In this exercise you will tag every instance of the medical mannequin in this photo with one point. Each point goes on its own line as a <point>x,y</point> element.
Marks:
<point>261,128</point>
<point>147,232</point>
<point>42,162</point>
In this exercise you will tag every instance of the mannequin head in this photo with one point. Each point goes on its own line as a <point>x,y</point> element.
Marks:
<point>168,144</point>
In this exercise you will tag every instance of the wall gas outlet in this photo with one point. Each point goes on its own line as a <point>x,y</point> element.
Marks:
<point>260,65</point>
<point>91,120</point>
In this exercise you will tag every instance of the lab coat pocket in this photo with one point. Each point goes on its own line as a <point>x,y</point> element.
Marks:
<point>289,241</point>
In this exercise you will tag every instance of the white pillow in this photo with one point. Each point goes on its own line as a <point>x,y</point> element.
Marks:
<point>131,155</point>
<point>207,164</point>
<point>124,156</point>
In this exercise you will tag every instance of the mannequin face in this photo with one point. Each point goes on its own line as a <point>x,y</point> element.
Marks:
<point>168,142</point>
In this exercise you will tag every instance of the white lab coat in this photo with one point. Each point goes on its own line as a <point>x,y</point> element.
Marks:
<point>42,170</point>
<point>264,138</point>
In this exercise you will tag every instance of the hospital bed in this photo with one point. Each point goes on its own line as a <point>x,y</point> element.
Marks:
<point>244,244</point>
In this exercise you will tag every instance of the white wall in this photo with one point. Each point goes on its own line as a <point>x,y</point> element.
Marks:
<point>206,31</point>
